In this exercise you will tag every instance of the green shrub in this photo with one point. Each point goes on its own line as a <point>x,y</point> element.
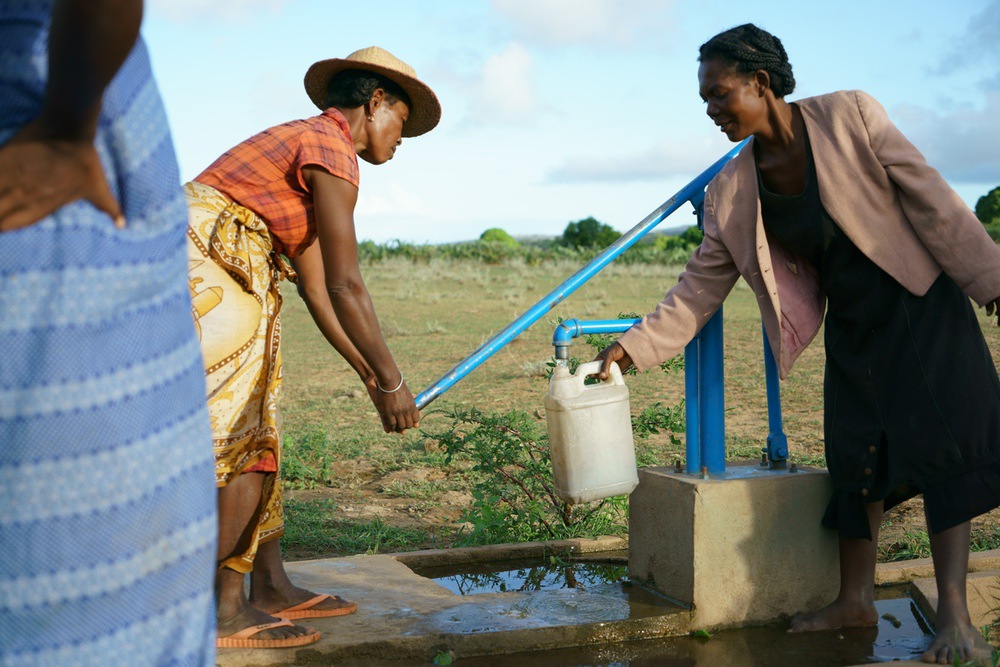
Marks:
<point>993,229</point>
<point>497,235</point>
<point>589,233</point>
<point>514,495</point>
<point>988,207</point>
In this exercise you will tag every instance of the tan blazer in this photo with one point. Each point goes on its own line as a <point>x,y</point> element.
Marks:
<point>877,187</point>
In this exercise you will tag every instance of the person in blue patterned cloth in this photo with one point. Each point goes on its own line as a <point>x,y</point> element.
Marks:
<point>107,495</point>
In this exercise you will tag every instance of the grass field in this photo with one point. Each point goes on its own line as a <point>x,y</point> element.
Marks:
<point>352,489</point>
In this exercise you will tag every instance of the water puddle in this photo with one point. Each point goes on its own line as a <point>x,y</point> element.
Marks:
<point>536,574</point>
<point>902,633</point>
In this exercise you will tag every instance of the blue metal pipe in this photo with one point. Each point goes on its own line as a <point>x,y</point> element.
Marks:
<point>692,405</point>
<point>567,330</point>
<point>711,395</point>
<point>777,442</point>
<point>571,284</point>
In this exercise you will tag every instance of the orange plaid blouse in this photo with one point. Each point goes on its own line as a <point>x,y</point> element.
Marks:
<point>264,174</point>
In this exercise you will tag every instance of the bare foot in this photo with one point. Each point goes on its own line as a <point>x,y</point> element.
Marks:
<point>272,591</point>
<point>836,615</point>
<point>275,599</point>
<point>955,642</point>
<point>230,621</point>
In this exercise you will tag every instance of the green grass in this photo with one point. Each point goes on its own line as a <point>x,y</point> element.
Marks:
<point>985,539</point>
<point>305,462</point>
<point>311,531</point>
<point>917,544</point>
<point>434,313</point>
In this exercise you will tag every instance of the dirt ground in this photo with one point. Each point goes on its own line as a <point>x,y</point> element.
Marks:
<point>440,313</point>
<point>365,499</point>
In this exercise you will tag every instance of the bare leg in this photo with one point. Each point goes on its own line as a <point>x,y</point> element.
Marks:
<point>955,635</point>
<point>855,603</point>
<point>272,591</point>
<point>238,504</point>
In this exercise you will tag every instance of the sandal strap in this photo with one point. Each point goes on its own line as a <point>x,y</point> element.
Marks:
<point>310,603</point>
<point>246,633</point>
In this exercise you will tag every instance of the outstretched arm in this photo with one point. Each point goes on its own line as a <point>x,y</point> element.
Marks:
<point>706,281</point>
<point>51,161</point>
<point>312,289</point>
<point>334,200</point>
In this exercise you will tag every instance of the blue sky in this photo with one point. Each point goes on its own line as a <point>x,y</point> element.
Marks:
<point>555,110</point>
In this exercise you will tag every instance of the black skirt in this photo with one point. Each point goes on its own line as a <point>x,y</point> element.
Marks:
<point>911,395</point>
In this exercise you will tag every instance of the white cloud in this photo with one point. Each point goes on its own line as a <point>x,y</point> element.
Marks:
<point>389,200</point>
<point>963,144</point>
<point>667,159</point>
<point>979,45</point>
<point>504,91</point>
<point>620,22</point>
<point>983,30</point>
<point>191,10</point>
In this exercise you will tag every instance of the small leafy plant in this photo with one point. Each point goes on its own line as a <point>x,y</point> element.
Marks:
<point>511,472</point>
<point>305,462</point>
<point>513,490</point>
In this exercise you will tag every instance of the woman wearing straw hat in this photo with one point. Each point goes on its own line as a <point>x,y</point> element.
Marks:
<point>289,192</point>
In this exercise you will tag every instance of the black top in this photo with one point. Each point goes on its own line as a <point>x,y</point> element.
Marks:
<point>911,395</point>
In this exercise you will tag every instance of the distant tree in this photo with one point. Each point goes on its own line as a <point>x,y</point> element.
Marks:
<point>692,236</point>
<point>588,233</point>
<point>687,240</point>
<point>988,207</point>
<point>668,242</point>
<point>497,235</point>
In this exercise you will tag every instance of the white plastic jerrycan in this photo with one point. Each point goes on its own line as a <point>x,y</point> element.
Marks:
<point>590,434</point>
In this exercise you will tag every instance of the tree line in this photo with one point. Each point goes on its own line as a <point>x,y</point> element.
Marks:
<point>581,240</point>
<point>988,212</point>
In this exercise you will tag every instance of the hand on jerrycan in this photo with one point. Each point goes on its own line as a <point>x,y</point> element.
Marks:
<point>613,353</point>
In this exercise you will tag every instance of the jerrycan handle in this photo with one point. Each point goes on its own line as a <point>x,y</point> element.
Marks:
<point>593,367</point>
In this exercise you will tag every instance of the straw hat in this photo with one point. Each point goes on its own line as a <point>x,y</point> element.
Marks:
<point>425,110</point>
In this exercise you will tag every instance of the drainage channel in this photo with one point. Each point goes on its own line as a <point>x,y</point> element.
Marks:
<point>902,632</point>
<point>901,635</point>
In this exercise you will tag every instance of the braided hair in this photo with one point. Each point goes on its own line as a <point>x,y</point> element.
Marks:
<point>353,87</point>
<point>749,49</point>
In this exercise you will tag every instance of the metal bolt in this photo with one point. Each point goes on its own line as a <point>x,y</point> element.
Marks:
<point>678,468</point>
<point>793,468</point>
<point>704,472</point>
<point>763,458</point>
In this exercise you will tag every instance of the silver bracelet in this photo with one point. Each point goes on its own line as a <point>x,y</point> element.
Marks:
<point>391,391</point>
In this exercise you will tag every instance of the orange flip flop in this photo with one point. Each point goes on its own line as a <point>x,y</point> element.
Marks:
<point>307,609</point>
<point>242,639</point>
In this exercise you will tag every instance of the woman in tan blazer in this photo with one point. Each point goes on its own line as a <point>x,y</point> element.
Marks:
<point>830,207</point>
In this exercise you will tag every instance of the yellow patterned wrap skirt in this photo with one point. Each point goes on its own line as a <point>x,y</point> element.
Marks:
<point>234,276</point>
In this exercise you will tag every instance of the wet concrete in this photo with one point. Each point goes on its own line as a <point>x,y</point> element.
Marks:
<point>403,616</point>
<point>899,636</point>
<point>404,619</point>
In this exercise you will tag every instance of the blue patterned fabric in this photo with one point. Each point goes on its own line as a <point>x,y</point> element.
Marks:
<point>107,493</point>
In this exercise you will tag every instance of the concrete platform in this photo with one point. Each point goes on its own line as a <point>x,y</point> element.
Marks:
<point>404,617</point>
<point>734,547</point>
